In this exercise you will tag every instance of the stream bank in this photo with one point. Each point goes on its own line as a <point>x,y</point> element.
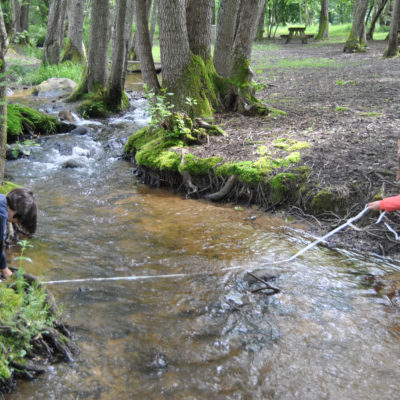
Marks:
<point>338,111</point>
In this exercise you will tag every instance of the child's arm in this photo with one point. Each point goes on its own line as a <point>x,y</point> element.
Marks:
<point>388,204</point>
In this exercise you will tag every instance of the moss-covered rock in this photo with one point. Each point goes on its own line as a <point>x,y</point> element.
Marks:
<point>23,120</point>
<point>335,199</point>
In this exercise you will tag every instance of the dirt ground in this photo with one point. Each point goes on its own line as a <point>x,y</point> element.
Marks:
<point>348,109</point>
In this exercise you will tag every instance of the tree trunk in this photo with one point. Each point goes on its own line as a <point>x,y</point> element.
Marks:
<point>375,18</point>
<point>226,27</point>
<point>153,21</point>
<point>174,45</point>
<point>144,47</point>
<point>97,73</point>
<point>3,99</point>
<point>356,39</point>
<point>17,16</point>
<point>241,95</point>
<point>260,24</point>
<point>300,14</point>
<point>55,32</point>
<point>24,17</point>
<point>198,22</point>
<point>123,29</point>
<point>307,14</point>
<point>323,21</point>
<point>75,50</point>
<point>392,49</point>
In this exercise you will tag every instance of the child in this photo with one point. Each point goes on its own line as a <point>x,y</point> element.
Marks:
<point>388,204</point>
<point>20,208</point>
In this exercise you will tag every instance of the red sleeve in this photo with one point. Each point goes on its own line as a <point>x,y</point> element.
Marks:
<point>390,203</point>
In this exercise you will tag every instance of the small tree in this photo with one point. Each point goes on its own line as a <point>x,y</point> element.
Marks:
<point>323,30</point>
<point>357,37</point>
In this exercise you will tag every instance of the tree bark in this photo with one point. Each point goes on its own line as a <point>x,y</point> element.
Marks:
<point>75,50</point>
<point>260,24</point>
<point>24,17</point>
<point>55,32</point>
<point>97,73</point>
<point>241,96</point>
<point>226,27</point>
<point>392,49</point>
<point>3,98</point>
<point>123,28</point>
<point>323,30</point>
<point>174,44</point>
<point>356,39</point>
<point>153,21</point>
<point>375,18</point>
<point>149,74</point>
<point>198,21</point>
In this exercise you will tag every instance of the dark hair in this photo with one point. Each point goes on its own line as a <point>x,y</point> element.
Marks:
<point>22,202</point>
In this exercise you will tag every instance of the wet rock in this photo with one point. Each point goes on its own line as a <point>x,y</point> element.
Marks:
<point>160,361</point>
<point>80,130</point>
<point>66,115</point>
<point>73,163</point>
<point>55,87</point>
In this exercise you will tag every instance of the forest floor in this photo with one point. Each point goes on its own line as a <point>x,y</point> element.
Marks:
<point>347,106</point>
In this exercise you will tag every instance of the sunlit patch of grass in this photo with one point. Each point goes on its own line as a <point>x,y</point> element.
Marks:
<point>342,108</point>
<point>63,70</point>
<point>371,114</point>
<point>296,63</point>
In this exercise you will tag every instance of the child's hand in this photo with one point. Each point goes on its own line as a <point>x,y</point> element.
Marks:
<point>375,205</point>
<point>6,272</point>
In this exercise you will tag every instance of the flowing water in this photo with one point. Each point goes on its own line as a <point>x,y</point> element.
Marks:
<point>205,335</point>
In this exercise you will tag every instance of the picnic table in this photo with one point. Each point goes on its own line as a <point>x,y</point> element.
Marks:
<point>299,32</point>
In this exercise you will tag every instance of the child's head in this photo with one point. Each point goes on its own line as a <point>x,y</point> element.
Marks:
<point>22,202</point>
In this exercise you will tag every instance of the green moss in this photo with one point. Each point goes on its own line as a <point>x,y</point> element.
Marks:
<point>291,145</point>
<point>334,199</point>
<point>22,119</point>
<point>282,185</point>
<point>245,171</point>
<point>199,83</point>
<point>71,53</point>
<point>199,166</point>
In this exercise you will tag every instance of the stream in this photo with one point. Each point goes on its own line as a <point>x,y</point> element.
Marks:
<point>204,335</point>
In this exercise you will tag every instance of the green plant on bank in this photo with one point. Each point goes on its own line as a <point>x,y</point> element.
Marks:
<point>24,314</point>
<point>23,148</point>
<point>371,114</point>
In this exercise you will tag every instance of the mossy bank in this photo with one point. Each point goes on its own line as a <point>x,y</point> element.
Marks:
<point>166,155</point>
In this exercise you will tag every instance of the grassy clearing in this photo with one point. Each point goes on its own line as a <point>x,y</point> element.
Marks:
<point>316,62</point>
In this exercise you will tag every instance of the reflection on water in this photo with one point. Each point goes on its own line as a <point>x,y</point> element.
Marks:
<point>326,335</point>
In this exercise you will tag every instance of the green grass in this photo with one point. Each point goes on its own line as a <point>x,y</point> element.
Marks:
<point>316,62</point>
<point>62,70</point>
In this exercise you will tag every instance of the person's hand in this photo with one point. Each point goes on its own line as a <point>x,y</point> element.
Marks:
<point>6,272</point>
<point>375,205</point>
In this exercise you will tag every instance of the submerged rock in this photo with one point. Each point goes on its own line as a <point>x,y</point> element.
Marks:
<point>73,163</point>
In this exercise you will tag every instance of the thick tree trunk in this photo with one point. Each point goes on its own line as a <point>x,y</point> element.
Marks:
<point>3,99</point>
<point>97,74</point>
<point>144,47</point>
<point>75,50</point>
<point>198,21</point>
<point>226,27</point>
<point>356,39</point>
<point>393,49</point>
<point>55,32</point>
<point>323,30</point>
<point>123,28</point>
<point>17,16</point>
<point>174,44</point>
<point>375,18</point>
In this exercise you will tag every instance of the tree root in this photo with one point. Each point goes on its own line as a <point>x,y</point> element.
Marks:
<point>224,191</point>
